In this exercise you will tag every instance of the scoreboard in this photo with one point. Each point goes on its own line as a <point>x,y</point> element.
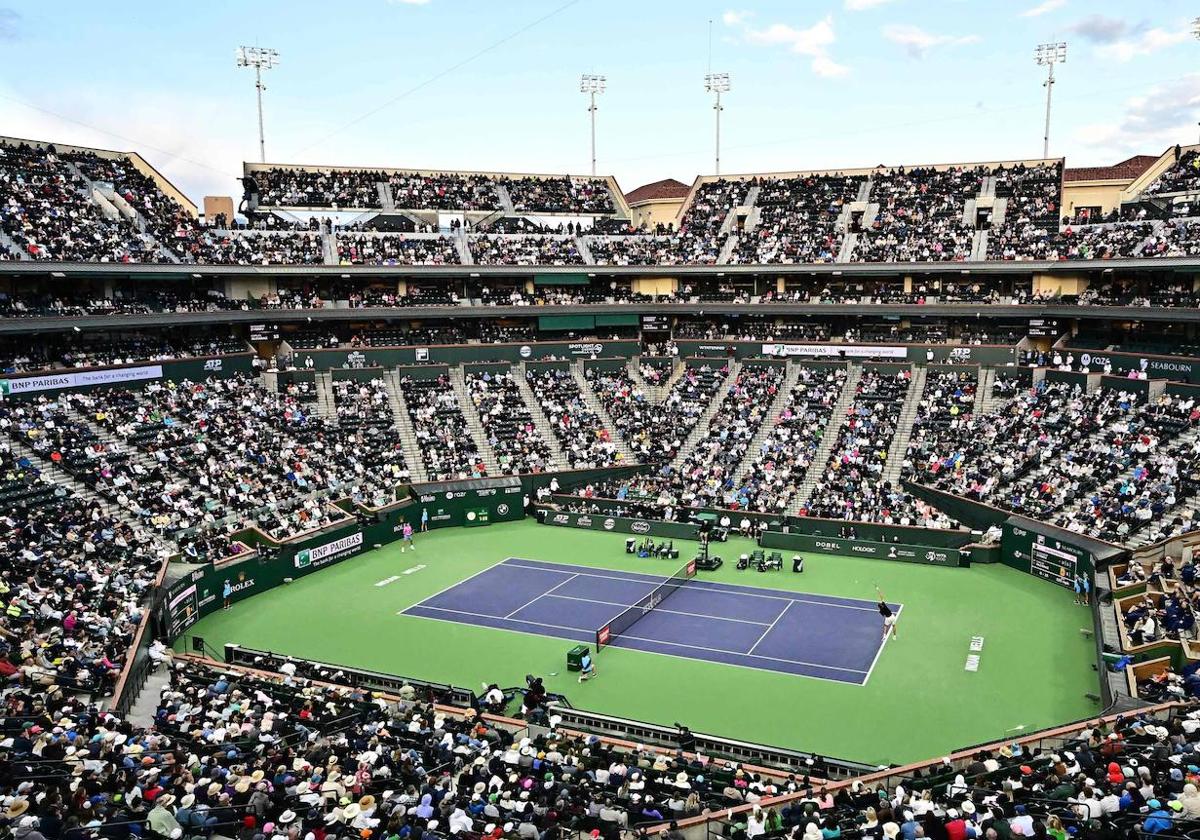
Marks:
<point>1044,555</point>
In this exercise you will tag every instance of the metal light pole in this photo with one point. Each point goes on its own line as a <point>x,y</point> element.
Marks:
<point>717,83</point>
<point>591,85</point>
<point>260,58</point>
<point>1047,55</point>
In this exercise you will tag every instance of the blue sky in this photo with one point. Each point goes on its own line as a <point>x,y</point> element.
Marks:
<point>494,85</point>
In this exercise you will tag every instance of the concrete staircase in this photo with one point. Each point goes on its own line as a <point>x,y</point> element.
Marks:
<point>727,249</point>
<point>474,427</point>
<point>700,430</point>
<point>464,248</point>
<point>269,379</point>
<point>654,393</point>
<point>968,216</point>
<point>837,419</point>
<point>979,246</point>
<point>329,250</point>
<point>325,405</point>
<point>7,244</point>
<point>904,426</point>
<point>581,243</point>
<point>593,402</point>
<point>999,210</point>
<point>505,199</point>
<point>983,389</point>
<point>404,428</point>
<point>864,190</point>
<point>146,704</point>
<point>386,201</point>
<point>847,249</point>
<point>558,459</point>
<point>769,422</point>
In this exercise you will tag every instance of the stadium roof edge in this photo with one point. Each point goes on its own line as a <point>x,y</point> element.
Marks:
<point>867,170</point>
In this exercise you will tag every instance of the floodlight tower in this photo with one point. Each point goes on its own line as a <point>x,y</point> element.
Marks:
<point>717,83</point>
<point>1047,55</point>
<point>1196,28</point>
<point>591,85</point>
<point>260,58</point>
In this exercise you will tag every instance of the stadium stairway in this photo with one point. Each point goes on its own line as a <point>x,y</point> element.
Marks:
<point>829,436</point>
<point>474,427</point>
<point>979,246</point>
<point>654,393</point>
<point>999,209</point>
<point>505,199</point>
<point>146,703</point>
<point>581,243</point>
<point>325,405</point>
<point>386,201</point>
<point>329,248</point>
<point>593,402</point>
<point>464,248</point>
<point>848,246</point>
<point>403,426</point>
<point>7,244</point>
<point>700,430</point>
<point>769,421</point>
<point>904,426</point>
<point>983,389</point>
<point>864,190</point>
<point>270,380</point>
<point>558,459</point>
<point>727,249</point>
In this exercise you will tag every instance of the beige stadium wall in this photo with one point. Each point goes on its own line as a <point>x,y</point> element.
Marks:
<point>1103,194</point>
<point>653,285</point>
<point>1060,284</point>
<point>651,213</point>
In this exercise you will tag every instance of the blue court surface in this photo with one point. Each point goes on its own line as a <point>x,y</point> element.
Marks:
<point>817,636</point>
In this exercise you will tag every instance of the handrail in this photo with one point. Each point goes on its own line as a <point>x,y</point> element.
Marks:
<point>120,703</point>
<point>908,770</point>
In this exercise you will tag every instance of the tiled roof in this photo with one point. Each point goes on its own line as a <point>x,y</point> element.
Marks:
<point>658,191</point>
<point>1126,170</point>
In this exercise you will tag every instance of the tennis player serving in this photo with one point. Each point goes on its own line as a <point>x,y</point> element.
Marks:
<point>889,617</point>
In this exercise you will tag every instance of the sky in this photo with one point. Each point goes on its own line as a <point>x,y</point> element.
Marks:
<point>468,84</point>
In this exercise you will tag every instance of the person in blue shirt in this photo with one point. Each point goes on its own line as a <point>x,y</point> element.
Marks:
<point>587,667</point>
<point>1158,820</point>
<point>226,592</point>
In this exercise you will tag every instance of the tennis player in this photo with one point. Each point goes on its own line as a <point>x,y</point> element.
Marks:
<point>889,617</point>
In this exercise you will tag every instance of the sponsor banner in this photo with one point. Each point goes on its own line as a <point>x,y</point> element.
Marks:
<point>586,348</point>
<point>322,555</point>
<point>621,525</point>
<point>904,553</point>
<point>82,379</point>
<point>855,351</point>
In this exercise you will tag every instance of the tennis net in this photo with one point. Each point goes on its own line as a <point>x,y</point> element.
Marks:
<point>621,623</point>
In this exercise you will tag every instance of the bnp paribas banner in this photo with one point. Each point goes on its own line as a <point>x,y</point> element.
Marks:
<point>81,379</point>
<point>848,350</point>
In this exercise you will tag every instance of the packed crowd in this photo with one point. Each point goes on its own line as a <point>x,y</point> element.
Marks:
<point>507,423</point>
<point>582,434</point>
<point>441,428</point>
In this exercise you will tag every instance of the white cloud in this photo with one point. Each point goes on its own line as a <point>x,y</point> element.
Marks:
<point>916,41</point>
<point>408,2</point>
<point>1044,7</point>
<point>1163,116</point>
<point>735,17</point>
<point>862,5</point>
<point>1148,42</point>
<point>813,42</point>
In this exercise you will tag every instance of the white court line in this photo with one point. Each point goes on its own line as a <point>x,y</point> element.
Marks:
<point>882,645</point>
<point>695,582</point>
<point>446,589</point>
<point>386,581</point>
<point>636,650</point>
<point>659,609</point>
<point>771,626</point>
<point>542,595</point>
<point>498,618</point>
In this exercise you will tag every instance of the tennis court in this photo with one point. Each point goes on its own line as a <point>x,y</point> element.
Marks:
<point>819,636</point>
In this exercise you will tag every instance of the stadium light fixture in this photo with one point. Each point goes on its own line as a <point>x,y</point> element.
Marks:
<point>592,84</point>
<point>260,58</point>
<point>717,83</point>
<point>1047,55</point>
